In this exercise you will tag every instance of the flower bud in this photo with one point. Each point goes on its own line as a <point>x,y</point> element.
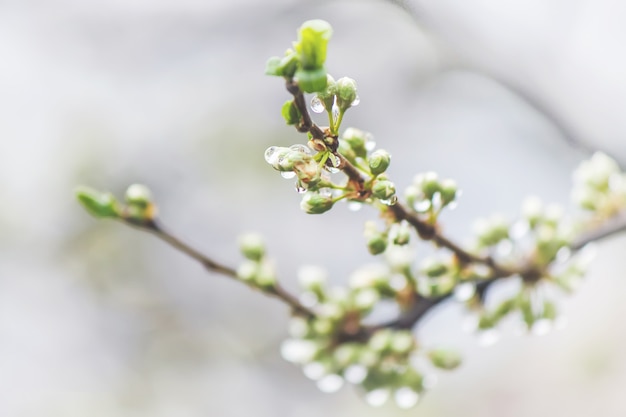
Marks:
<point>401,234</point>
<point>346,92</point>
<point>327,96</point>
<point>315,203</point>
<point>383,189</point>
<point>312,278</point>
<point>448,191</point>
<point>247,271</point>
<point>356,139</point>
<point>266,276</point>
<point>379,161</point>
<point>491,232</point>
<point>433,268</point>
<point>445,358</point>
<point>313,37</point>
<point>252,246</point>
<point>429,184</point>
<point>376,240</point>
<point>402,341</point>
<point>138,195</point>
<point>98,204</point>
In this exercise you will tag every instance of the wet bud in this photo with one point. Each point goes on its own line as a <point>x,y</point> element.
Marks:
<point>402,341</point>
<point>491,232</point>
<point>379,161</point>
<point>98,204</point>
<point>315,203</point>
<point>252,246</point>
<point>327,97</point>
<point>290,113</point>
<point>266,276</point>
<point>384,190</point>
<point>356,139</point>
<point>312,278</point>
<point>448,191</point>
<point>445,358</point>
<point>247,271</point>
<point>138,195</point>
<point>346,92</point>
<point>596,172</point>
<point>587,198</point>
<point>428,183</point>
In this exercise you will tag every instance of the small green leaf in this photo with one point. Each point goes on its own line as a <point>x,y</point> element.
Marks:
<point>290,113</point>
<point>97,203</point>
<point>311,80</point>
<point>313,37</point>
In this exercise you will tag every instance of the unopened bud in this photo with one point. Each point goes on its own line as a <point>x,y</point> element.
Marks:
<point>346,92</point>
<point>252,246</point>
<point>379,161</point>
<point>315,203</point>
<point>383,189</point>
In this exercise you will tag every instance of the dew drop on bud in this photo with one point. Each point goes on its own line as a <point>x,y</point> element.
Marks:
<point>406,398</point>
<point>356,101</point>
<point>300,189</point>
<point>330,383</point>
<point>377,397</point>
<point>288,174</point>
<point>300,148</point>
<point>270,154</point>
<point>390,202</point>
<point>316,105</point>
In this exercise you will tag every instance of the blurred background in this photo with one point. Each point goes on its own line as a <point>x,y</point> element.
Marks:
<point>96,319</point>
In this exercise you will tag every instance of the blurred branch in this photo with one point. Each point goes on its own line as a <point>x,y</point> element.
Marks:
<point>276,291</point>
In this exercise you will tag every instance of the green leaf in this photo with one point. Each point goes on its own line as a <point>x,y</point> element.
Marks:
<point>313,37</point>
<point>290,113</point>
<point>97,203</point>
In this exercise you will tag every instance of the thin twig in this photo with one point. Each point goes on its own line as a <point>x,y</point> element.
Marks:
<point>276,291</point>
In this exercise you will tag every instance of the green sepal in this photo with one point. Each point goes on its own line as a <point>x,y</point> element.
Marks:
<point>311,80</point>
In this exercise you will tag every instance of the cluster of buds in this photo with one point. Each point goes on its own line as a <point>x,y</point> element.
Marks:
<point>600,186</point>
<point>138,205</point>
<point>257,271</point>
<point>333,347</point>
<point>429,195</point>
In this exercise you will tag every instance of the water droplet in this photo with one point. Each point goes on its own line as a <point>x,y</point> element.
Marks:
<point>370,145</point>
<point>316,105</point>
<point>297,350</point>
<point>298,147</point>
<point>355,374</point>
<point>330,383</point>
<point>300,189</point>
<point>464,291</point>
<point>355,205</point>
<point>422,206</point>
<point>377,397</point>
<point>406,398</point>
<point>390,202</point>
<point>288,174</point>
<point>270,154</point>
<point>356,101</point>
<point>488,337</point>
<point>541,327</point>
<point>314,370</point>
